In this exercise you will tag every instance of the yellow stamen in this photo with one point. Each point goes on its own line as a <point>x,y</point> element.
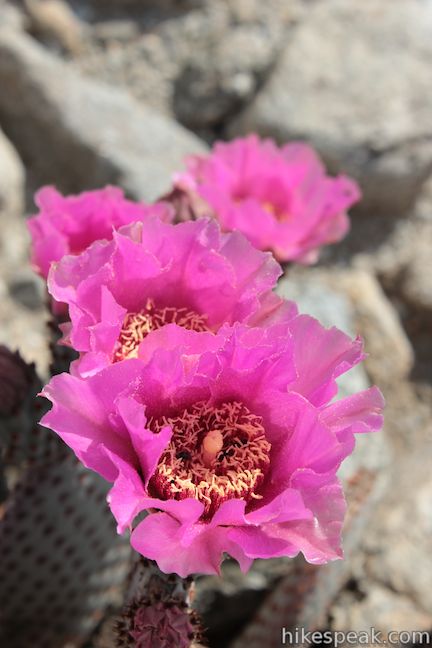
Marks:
<point>137,326</point>
<point>215,454</point>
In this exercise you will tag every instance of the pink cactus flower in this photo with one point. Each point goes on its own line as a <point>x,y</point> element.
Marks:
<point>280,198</point>
<point>229,441</point>
<point>69,224</point>
<point>154,273</point>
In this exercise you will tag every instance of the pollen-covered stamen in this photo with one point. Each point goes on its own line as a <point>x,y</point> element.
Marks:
<point>137,326</point>
<point>215,454</point>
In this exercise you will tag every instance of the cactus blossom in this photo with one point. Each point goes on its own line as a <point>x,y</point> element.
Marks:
<point>230,441</point>
<point>280,198</point>
<point>154,273</point>
<point>69,224</point>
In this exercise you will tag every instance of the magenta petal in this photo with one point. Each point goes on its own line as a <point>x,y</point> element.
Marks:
<point>68,225</point>
<point>81,415</point>
<point>273,310</point>
<point>84,429</point>
<point>360,412</point>
<point>88,364</point>
<point>318,539</point>
<point>147,445</point>
<point>285,507</point>
<point>321,355</point>
<point>256,543</point>
<point>127,497</point>
<point>310,444</point>
<point>187,511</point>
<point>317,533</point>
<point>173,337</point>
<point>161,538</point>
<point>231,512</point>
<point>47,245</point>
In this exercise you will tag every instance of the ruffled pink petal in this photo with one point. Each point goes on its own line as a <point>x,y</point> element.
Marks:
<point>147,445</point>
<point>360,412</point>
<point>181,544</point>
<point>127,498</point>
<point>68,225</point>
<point>86,433</point>
<point>355,414</point>
<point>317,536</point>
<point>298,438</point>
<point>47,245</point>
<point>285,507</point>
<point>172,338</point>
<point>252,358</point>
<point>319,539</point>
<point>255,542</point>
<point>81,416</point>
<point>181,266</point>
<point>158,537</point>
<point>321,355</point>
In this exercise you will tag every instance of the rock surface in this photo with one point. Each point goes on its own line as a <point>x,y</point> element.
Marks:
<point>378,608</point>
<point>390,354</point>
<point>55,22</point>
<point>388,589</point>
<point>353,80</point>
<point>79,133</point>
<point>404,518</point>
<point>199,61</point>
<point>12,178</point>
<point>21,293</point>
<point>405,263</point>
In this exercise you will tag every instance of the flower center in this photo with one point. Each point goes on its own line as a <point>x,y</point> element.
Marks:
<point>137,326</point>
<point>271,209</point>
<point>215,454</point>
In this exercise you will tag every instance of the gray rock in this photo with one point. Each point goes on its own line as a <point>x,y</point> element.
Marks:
<point>390,354</point>
<point>404,262</point>
<point>22,325</point>
<point>379,608</point>
<point>10,16</point>
<point>55,22</point>
<point>354,80</point>
<point>26,289</point>
<point>399,549</point>
<point>234,57</point>
<point>200,61</point>
<point>111,31</point>
<point>12,178</point>
<point>79,133</point>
